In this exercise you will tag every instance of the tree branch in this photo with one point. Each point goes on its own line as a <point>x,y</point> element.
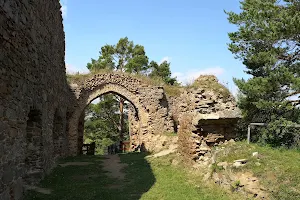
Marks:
<point>115,123</point>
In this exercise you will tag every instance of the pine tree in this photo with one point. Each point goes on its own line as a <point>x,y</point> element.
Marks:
<point>162,71</point>
<point>268,43</point>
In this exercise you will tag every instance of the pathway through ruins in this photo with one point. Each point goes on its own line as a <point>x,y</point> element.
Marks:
<point>112,164</point>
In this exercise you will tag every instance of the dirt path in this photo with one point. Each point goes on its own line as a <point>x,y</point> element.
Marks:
<point>112,164</point>
<point>75,164</point>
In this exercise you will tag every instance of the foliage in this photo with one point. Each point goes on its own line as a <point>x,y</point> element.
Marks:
<point>102,123</point>
<point>216,168</point>
<point>163,71</point>
<point>125,56</point>
<point>268,43</point>
<point>276,168</point>
<point>236,184</point>
<point>77,77</point>
<point>171,134</point>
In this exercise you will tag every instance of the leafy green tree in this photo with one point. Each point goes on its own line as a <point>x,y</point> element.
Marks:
<point>163,71</point>
<point>102,122</point>
<point>125,56</point>
<point>268,43</point>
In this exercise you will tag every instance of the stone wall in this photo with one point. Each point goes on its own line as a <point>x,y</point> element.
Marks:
<point>204,117</point>
<point>33,89</point>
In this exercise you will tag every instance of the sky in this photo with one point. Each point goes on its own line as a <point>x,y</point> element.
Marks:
<point>191,34</point>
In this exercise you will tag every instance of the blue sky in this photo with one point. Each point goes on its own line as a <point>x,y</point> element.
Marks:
<point>191,34</point>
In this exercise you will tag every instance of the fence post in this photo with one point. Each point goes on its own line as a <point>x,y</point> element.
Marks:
<point>248,137</point>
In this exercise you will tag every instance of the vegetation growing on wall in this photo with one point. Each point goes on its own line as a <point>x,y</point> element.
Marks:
<point>210,82</point>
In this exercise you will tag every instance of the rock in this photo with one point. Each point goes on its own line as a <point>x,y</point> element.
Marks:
<point>257,164</point>
<point>251,185</point>
<point>239,163</point>
<point>201,148</point>
<point>255,154</point>
<point>204,147</point>
<point>231,141</point>
<point>243,161</point>
<point>175,162</point>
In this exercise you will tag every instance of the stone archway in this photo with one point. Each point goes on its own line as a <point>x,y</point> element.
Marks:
<point>149,103</point>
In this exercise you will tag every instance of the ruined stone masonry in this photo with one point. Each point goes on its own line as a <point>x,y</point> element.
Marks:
<point>42,115</point>
<point>149,105</point>
<point>204,118</point>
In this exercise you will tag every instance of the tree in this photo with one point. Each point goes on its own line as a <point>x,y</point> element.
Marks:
<point>124,57</point>
<point>163,71</point>
<point>268,43</point>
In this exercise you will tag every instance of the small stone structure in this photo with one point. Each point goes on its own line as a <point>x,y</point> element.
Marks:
<point>41,115</point>
<point>204,118</point>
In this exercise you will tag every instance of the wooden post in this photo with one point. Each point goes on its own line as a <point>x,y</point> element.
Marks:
<point>248,137</point>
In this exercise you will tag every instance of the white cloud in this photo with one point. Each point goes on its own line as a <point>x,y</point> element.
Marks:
<point>71,69</point>
<point>189,76</point>
<point>64,8</point>
<point>166,58</point>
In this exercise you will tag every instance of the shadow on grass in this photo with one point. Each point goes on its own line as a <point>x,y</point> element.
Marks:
<point>91,182</point>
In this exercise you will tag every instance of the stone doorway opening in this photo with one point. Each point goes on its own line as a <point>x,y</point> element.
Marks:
<point>109,121</point>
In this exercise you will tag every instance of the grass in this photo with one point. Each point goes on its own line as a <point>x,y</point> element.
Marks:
<point>145,179</point>
<point>176,183</point>
<point>69,183</point>
<point>171,134</point>
<point>277,169</point>
<point>208,82</point>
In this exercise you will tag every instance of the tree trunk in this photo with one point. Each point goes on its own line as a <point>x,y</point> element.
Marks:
<point>121,123</point>
<point>121,119</point>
